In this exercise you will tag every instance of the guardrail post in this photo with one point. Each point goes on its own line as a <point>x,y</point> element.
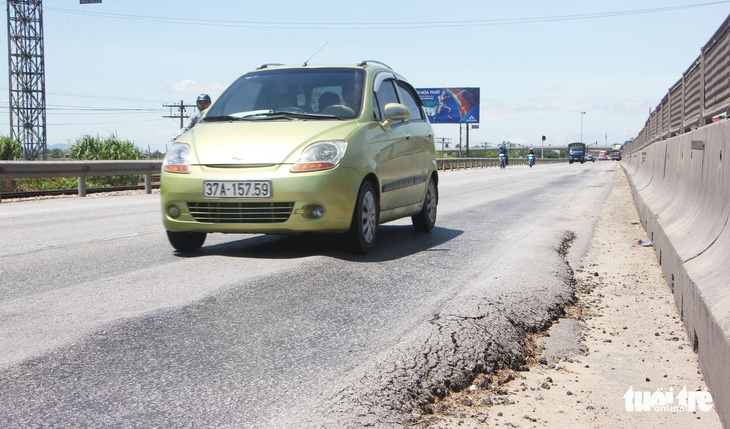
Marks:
<point>148,183</point>
<point>82,186</point>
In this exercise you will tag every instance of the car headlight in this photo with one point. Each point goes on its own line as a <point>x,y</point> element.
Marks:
<point>177,159</point>
<point>318,156</point>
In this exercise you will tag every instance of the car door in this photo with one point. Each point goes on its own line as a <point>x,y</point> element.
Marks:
<point>419,152</point>
<point>389,146</point>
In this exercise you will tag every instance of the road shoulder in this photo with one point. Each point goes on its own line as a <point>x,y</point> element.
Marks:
<point>622,341</point>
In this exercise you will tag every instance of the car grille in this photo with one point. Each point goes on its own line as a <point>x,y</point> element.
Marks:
<point>240,212</point>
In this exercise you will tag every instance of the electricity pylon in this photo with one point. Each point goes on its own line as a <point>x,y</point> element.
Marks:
<point>27,77</point>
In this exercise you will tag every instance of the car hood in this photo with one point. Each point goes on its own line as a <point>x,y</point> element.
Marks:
<point>259,142</point>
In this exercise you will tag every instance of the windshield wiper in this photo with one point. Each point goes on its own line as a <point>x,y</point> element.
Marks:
<point>237,116</point>
<point>221,118</point>
<point>268,114</point>
<point>298,115</point>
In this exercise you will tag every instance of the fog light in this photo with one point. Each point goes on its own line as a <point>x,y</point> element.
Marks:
<point>173,211</point>
<point>313,211</point>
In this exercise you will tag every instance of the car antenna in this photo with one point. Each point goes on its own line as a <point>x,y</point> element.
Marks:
<point>310,58</point>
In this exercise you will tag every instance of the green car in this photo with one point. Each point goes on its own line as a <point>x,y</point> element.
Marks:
<point>298,149</point>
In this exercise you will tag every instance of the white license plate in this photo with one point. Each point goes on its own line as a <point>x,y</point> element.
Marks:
<point>237,189</point>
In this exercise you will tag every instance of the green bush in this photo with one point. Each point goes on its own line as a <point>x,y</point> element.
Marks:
<point>10,150</point>
<point>85,148</point>
<point>111,148</point>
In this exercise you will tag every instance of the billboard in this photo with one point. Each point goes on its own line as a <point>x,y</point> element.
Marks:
<point>451,105</point>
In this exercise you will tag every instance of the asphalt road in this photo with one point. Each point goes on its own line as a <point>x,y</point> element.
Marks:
<point>103,325</point>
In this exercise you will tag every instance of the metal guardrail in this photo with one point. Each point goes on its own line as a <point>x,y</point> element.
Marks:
<point>702,94</point>
<point>81,169</point>
<point>445,164</point>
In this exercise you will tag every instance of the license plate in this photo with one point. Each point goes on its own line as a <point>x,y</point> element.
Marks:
<point>237,189</point>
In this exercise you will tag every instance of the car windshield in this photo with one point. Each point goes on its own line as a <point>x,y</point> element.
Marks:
<point>308,93</point>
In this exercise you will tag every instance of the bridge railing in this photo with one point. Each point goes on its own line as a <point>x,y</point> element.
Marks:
<point>699,98</point>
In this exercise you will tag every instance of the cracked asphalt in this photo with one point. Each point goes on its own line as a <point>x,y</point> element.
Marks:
<point>261,331</point>
<point>622,333</point>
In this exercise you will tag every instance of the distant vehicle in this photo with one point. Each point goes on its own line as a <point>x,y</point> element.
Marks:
<point>576,152</point>
<point>616,155</point>
<point>590,157</point>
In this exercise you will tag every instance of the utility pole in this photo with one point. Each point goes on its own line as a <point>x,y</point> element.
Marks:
<point>467,140</point>
<point>444,141</point>
<point>180,111</point>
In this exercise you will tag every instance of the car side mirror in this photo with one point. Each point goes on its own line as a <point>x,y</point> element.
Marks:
<point>395,112</point>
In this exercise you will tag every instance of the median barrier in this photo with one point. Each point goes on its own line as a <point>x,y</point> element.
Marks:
<point>681,189</point>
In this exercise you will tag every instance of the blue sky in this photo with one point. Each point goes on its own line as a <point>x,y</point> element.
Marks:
<point>110,67</point>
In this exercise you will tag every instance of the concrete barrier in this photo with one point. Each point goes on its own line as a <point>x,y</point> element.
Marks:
<point>681,189</point>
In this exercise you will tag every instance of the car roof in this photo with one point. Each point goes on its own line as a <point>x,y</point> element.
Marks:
<point>366,64</point>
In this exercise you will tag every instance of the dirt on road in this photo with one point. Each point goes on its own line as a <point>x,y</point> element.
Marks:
<point>619,358</point>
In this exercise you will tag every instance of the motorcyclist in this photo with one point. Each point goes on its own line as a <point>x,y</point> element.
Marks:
<point>203,103</point>
<point>531,157</point>
<point>503,152</point>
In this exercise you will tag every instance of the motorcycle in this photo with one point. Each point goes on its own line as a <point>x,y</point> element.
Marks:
<point>531,160</point>
<point>502,160</point>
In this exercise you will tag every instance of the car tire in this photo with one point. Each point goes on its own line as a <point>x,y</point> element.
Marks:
<point>364,226</point>
<point>186,241</point>
<point>425,220</point>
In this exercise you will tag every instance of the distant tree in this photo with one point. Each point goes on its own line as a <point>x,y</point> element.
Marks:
<point>55,153</point>
<point>555,154</point>
<point>10,150</point>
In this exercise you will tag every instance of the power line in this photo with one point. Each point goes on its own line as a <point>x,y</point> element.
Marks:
<point>88,109</point>
<point>390,25</point>
<point>100,97</point>
<point>180,111</point>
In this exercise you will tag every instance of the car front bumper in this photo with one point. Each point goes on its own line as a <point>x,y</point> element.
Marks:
<point>295,197</point>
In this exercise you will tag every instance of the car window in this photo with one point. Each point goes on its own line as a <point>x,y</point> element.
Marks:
<point>245,99</point>
<point>297,90</point>
<point>384,94</point>
<point>326,96</point>
<point>411,100</point>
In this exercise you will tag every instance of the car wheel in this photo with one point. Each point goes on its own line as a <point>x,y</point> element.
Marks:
<point>426,219</point>
<point>186,241</point>
<point>364,227</point>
